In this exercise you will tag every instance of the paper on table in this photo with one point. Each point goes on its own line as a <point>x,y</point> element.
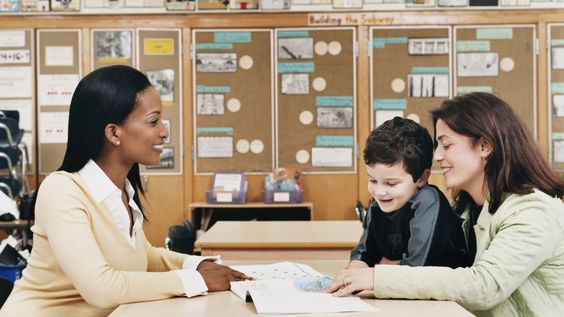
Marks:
<point>276,291</point>
<point>281,270</point>
<point>296,302</point>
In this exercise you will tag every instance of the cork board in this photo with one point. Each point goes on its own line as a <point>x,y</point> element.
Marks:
<point>511,52</point>
<point>556,94</point>
<point>20,54</point>
<point>316,99</point>
<point>232,101</point>
<point>410,72</point>
<point>159,57</point>
<point>59,62</point>
<point>112,47</point>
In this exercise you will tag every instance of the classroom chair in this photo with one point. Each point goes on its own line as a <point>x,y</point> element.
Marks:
<point>6,287</point>
<point>10,157</point>
<point>181,238</point>
<point>14,114</point>
<point>10,132</point>
<point>10,186</point>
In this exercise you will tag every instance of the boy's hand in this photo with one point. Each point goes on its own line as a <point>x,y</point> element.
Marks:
<point>385,260</point>
<point>356,264</point>
<point>350,281</point>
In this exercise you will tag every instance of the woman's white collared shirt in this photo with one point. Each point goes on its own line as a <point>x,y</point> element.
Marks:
<point>104,191</point>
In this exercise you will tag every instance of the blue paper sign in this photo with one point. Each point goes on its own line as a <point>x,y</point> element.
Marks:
<point>461,90</point>
<point>213,89</point>
<point>214,46</point>
<point>293,34</point>
<point>215,130</point>
<point>232,37</point>
<point>380,42</point>
<point>389,104</point>
<point>334,141</point>
<point>429,70</point>
<point>473,46</point>
<point>296,67</point>
<point>494,33</point>
<point>334,101</point>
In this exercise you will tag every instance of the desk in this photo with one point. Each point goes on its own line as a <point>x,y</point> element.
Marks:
<point>201,213</point>
<point>227,304</point>
<point>281,240</point>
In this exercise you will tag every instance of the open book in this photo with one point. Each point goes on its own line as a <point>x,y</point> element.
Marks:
<point>291,288</point>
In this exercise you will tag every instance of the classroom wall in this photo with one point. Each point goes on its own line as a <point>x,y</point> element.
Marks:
<point>333,195</point>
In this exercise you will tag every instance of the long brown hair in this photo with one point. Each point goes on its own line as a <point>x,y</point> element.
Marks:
<point>515,164</point>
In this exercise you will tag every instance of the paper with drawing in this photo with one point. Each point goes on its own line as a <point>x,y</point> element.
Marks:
<point>291,288</point>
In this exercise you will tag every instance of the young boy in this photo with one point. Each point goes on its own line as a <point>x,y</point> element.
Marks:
<point>409,222</point>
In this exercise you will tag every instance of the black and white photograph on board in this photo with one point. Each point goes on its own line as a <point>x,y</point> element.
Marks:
<point>216,63</point>
<point>166,123</point>
<point>167,159</point>
<point>334,117</point>
<point>477,64</point>
<point>295,48</point>
<point>210,104</point>
<point>163,81</point>
<point>428,46</point>
<point>427,85</point>
<point>295,84</point>
<point>113,44</point>
<point>558,105</point>
<point>558,151</point>
<point>557,57</point>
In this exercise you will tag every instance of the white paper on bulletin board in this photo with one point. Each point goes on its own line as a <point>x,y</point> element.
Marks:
<point>16,82</point>
<point>24,107</point>
<point>56,90</point>
<point>332,157</point>
<point>53,127</point>
<point>12,38</point>
<point>59,56</point>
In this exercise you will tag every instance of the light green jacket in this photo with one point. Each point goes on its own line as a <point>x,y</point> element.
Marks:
<point>518,270</point>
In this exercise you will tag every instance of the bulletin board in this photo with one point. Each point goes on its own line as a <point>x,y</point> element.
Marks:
<point>159,57</point>
<point>316,99</point>
<point>59,71</point>
<point>112,47</point>
<point>17,87</point>
<point>499,59</point>
<point>233,101</point>
<point>410,72</point>
<point>555,44</point>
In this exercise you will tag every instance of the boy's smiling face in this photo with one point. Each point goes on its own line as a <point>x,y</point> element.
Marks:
<point>392,186</point>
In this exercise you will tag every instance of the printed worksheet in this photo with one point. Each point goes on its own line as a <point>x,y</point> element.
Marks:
<point>292,288</point>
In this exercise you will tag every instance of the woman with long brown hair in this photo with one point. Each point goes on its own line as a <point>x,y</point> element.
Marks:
<point>514,219</point>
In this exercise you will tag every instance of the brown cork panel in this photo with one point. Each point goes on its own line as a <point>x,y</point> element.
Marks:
<point>253,88</point>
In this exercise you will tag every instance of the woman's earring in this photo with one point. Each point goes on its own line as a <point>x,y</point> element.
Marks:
<point>118,142</point>
<point>485,158</point>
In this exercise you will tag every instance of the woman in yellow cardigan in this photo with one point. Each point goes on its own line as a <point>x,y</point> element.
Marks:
<point>514,219</point>
<point>90,253</point>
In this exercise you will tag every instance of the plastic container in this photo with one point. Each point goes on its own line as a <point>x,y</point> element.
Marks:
<point>281,196</point>
<point>11,272</point>
<point>221,197</point>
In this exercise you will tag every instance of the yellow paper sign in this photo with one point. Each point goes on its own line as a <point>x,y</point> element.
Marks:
<point>158,46</point>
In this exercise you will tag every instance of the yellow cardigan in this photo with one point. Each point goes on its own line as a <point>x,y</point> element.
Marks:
<point>81,265</point>
<point>518,270</point>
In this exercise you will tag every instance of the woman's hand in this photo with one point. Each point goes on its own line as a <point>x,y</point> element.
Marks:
<point>217,277</point>
<point>350,281</point>
<point>356,264</point>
